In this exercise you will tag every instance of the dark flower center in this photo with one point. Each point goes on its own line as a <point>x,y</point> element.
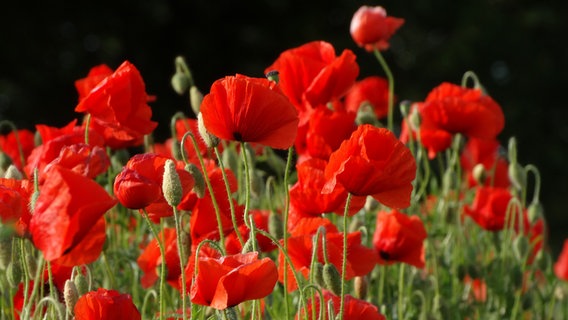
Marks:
<point>237,136</point>
<point>384,255</point>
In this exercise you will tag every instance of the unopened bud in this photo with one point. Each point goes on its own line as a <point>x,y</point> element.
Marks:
<point>5,161</point>
<point>405,107</point>
<point>273,75</point>
<point>366,114</point>
<point>479,174</point>
<point>70,295</point>
<point>231,159</point>
<point>521,247</point>
<point>332,278</point>
<point>171,184</point>
<point>81,284</point>
<point>5,251</point>
<point>195,99</point>
<point>414,119</point>
<point>210,140</point>
<point>176,150</point>
<point>360,285</point>
<point>180,82</point>
<point>535,211</point>
<point>231,313</point>
<point>13,173</point>
<point>250,245</point>
<point>199,180</point>
<point>517,176</point>
<point>14,273</point>
<point>318,274</point>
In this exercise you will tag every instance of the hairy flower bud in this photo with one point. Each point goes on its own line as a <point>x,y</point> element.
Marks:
<point>210,140</point>
<point>479,174</point>
<point>517,176</point>
<point>180,82</point>
<point>81,284</point>
<point>70,295</point>
<point>199,180</point>
<point>275,225</point>
<point>360,285</point>
<point>195,99</point>
<point>171,184</point>
<point>332,278</point>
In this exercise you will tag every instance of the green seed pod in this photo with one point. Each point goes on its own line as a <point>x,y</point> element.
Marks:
<point>171,184</point>
<point>366,114</point>
<point>199,180</point>
<point>81,284</point>
<point>332,278</point>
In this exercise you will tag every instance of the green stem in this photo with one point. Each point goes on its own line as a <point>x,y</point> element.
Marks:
<point>231,204</point>
<point>285,229</point>
<point>162,265</point>
<point>247,183</point>
<point>87,124</point>
<point>344,262</point>
<point>181,255</point>
<point>400,291</point>
<point>390,79</point>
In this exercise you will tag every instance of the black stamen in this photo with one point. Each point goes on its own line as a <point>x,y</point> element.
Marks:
<point>237,136</point>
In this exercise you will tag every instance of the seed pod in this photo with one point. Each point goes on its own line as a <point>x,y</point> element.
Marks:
<point>199,180</point>
<point>70,295</point>
<point>332,278</point>
<point>171,184</point>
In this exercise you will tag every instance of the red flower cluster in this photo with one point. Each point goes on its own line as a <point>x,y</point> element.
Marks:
<point>105,304</point>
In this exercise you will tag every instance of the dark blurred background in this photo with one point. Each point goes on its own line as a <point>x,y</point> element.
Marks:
<point>517,48</point>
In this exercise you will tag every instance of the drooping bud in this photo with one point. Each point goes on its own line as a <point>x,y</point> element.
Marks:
<point>517,176</point>
<point>199,180</point>
<point>250,245</point>
<point>81,284</point>
<point>535,211</point>
<point>366,114</point>
<point>479,174</point>
<point>318,274</point>
<point>70,295</point>
<point>13,173</point>
<point>14,273</point>
<point>275,225</point>
<point>195,99</point>
<point>5,250</point>
<point>171,184</point>
<point>521,247</point>
<point>332,278</point>
<point>180,82</point>
<point>273,75</point>
<point>360,285</point>
<point>210,140</point>
<point>231,159</point>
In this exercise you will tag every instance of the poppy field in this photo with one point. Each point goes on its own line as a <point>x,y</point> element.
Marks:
<point>306,192</point>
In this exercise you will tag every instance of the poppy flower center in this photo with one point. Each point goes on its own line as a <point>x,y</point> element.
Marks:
<point>384,255</point>
<point>237,136</point>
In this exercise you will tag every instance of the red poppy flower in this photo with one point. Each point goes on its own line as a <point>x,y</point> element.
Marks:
<point>105,304</point>
<point>118,106</point>
<point>312,75</point>
<point>306,195</point>
<point>489,208</point>
<point>68,223</point>
<point>14,208</point>
<point>326,130</point>
<point>89,161</point>
<point>561,265</point>
<point>95,76</point>
<point>139,185</point>
<point>399,238</point>
<point>489,154</point>
<point>371,28</point>
<point>250,109</point>
<point>450,109</point>
<point>150,259</point>
<point>360,259</point>
<point>227,281</point>
<point>9,145</point>
<point>354,309</point>
<point>478,288</point>
<point>373,162</point>
<point>53,141</point>
<point>372,91</point>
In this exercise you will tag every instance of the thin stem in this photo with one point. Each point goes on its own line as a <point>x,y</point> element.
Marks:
<point>247,183</point>
<point>87,125</point>
<point>344,262</point>
<point>162,265</point>
<point>181,255</point>
<point>400,291</point>
<point>285,235</point>
<point>390,79</point>
<point>231,204</point>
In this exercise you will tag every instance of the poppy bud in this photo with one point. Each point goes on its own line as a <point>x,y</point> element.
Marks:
<point>176,150</point>
<point>250,246</point>
<point>275,226</point>
<point>70,295</point>
<point>332,278</point>
<point>199,186</point>
<point>14,273</point>
<point>521,247</point>
<point>195,99</point>
<point>81,284</point>
<point>318,274</point>
<point>414,119</point>
<point>30,262</point>
<point>13,173</point>
<point>230,314</point>
<point>5,161</point>
<point>210,140</point>
<point>360,285</point>
<point>405,108</point>
<point>517,176</point>
<point>171,184</point>
<point>5,251</point>
<point>366,114</point>
<point>273,75</point>
<point>535,211</point>
<point>479,174</point>
<point>180,82</point>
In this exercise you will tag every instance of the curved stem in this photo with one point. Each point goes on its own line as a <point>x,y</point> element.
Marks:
<point>390,79</point>
<point>344,262</point>
<point>470,75</point>
<point>247,183</point>
<point>231,204</point>
<point>536,173</point>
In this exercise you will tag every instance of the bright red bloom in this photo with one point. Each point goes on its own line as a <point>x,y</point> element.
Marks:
<point>371,28</point>
<point>326,130</point>
<point>354,309</point>
<point>489,208</point>
<point>14,199</point>
<point>9,145</point>
<point>306,195</point>
<point>89,161</point>
<point>150,259</point>
<point>312,75</point>
<point>487,153</point>
<point>139,185</point>
<point>117,104</point>
<point>227,281</point>
<point>561,265</point>
<point>68,223</point>
<point>371,90</point>
<point>450,109</point>
<point>373,162</point>
<point>95,76</point>
<point>105,304</point>
<point>399,238</point>
<point>250,109</point>
<point>360,259</point>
